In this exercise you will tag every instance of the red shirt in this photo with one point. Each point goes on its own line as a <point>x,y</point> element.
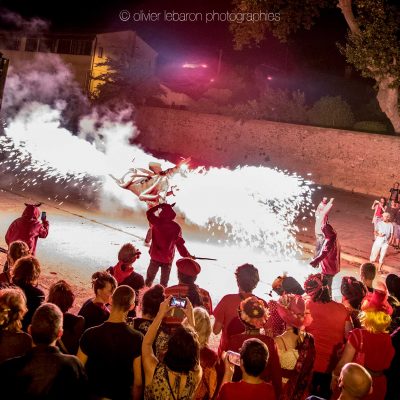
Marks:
<point>378,353</point>
<point>225,312</point>
<point>328,330</point>
<point>246,391</point>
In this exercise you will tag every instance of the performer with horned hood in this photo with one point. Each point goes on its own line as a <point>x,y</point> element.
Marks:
<point>28,228</point>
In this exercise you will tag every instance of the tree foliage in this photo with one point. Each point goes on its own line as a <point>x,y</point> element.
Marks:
<point>124,81</point>
<point>331,112</point>
<point>375,49</point>
<point>293,15</point>
<point>372,44</point>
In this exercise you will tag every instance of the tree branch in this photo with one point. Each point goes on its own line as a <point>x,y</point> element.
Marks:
<point>345,6</point>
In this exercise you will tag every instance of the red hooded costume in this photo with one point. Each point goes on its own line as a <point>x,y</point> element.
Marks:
<point>166,234</point>
<point>329,256</point>
<point>28,228</point>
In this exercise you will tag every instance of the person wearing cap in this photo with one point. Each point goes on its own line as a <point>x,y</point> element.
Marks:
<point>330,326</point>
<point>166,236</point>
<point>253,314</point>
<point>281,285</point>
<point>384,236</point>
<point>124,272</point>
<point>371,346</point>
<point>353,293</point>
<point>188,270</point>
<point>296,348</point>
<point>321,218</point>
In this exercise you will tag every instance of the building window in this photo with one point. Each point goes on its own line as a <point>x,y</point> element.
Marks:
<point>74,46</point>
<point>100,52</point>
<point>8,43</point>
<point>31,44</point>
<point>47,45</point>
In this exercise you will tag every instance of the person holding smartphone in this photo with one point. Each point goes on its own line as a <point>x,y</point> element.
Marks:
<point>31,226</point>
<point>179,373</point>
<point>253,358</point>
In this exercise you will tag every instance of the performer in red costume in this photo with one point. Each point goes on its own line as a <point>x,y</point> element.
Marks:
<point>150,185</point>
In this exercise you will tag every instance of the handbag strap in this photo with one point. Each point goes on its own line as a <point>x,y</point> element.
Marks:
<point>361,340</point>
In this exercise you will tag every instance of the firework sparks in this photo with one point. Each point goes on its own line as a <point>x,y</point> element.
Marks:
<point>248,206</point>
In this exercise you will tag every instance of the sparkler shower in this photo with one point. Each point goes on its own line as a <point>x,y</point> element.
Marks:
<point>253,206</point>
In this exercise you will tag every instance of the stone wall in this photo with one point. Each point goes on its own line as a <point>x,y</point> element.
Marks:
<point>361,162</point>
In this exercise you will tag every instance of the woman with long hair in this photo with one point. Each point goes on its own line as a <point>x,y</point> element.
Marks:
<point>25,275</point>
<point>296,348</point>
<point>179,374</point>
<point>13,341</point>
<point>208,357</point>
<point>16,250</point>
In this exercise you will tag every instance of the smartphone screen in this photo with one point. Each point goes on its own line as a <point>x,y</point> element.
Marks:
<point>178,302</point>
<point>233,357</point>
<point>44,215</point>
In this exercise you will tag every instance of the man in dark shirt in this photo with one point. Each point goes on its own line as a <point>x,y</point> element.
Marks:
<point>166,235</point>
<point>111,352</point>
<point>44,372</point>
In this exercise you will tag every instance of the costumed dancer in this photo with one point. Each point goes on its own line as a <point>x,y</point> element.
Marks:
<point>150,185</point>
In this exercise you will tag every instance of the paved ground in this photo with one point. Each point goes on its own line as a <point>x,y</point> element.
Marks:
<point>83,241</point>
<point>351,216</point>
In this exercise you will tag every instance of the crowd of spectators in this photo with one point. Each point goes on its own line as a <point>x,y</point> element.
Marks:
<point>135,340</point>
<point>300,344</point>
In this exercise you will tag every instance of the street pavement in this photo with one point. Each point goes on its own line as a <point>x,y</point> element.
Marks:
<point>351,217</point>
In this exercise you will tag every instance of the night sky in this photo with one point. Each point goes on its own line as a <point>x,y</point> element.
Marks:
<point>314,49</point>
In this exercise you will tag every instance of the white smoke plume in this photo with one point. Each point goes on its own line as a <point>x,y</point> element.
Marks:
<point>18,23</point>
<point>253,206</point>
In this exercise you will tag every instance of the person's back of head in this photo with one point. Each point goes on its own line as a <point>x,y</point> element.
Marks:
<point>123,298</point>
<point>202,325</point>
<point>393,285</point>
<point>353,291</point>
<point>61,294</point>
<point>128,254</point>
<point>26,271</point>
<point>367,272</point>
<point>152,299</point>
<point>12,309</point>
<point>17,250</point>
<point>247,277</point>
<point>254,355</point>
<point>183,353</point>
<point>46,326</point>
<point>355,381</point>
<point>100,280</point>
<point>316,286</point>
